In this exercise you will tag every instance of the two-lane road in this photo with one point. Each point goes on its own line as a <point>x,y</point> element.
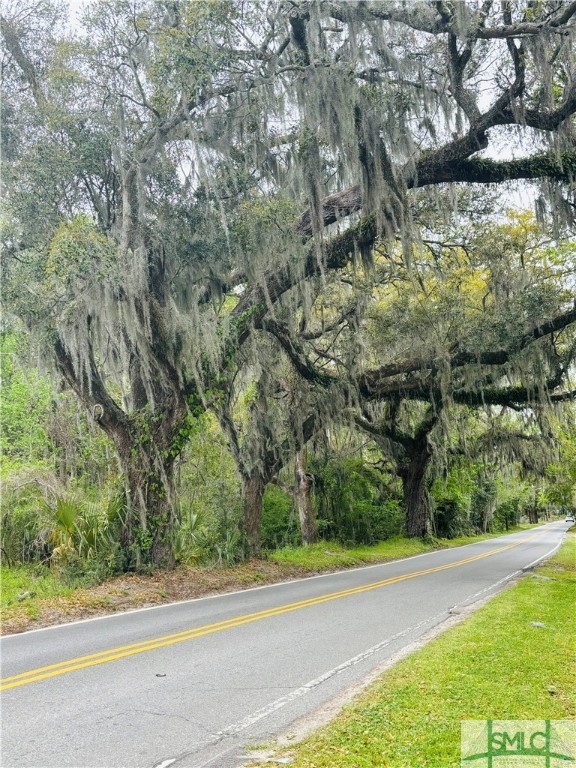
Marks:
<point>189,684</point>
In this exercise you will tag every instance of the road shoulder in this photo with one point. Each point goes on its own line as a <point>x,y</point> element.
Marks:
<point>511,659</point>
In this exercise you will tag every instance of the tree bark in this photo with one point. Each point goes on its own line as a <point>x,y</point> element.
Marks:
<point>304,500</point>
<point>147,534</point>
<point>147,443</point>
<point>416,499</point>
<point>253,487</point>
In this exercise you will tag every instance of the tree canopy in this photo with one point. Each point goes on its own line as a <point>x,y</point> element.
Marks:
<point>192,189</point>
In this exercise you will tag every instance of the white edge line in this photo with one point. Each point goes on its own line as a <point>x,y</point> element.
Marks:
<point>471,599</point>
<point>119,614</point>
<point>274,706</point>
<point>544,557</point>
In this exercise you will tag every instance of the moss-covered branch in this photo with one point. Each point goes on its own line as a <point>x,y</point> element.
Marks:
<point>557,166</point>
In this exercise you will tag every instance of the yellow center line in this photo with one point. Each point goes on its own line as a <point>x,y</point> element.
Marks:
<point>111,654</point>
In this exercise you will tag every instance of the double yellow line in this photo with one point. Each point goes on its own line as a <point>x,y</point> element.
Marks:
<point>103,657</point>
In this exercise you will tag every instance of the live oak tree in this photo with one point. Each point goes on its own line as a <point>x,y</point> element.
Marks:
<point>508,280</point>
<point>267,417</point>
<point>485,323</point>
<point>98,213</point>
<point>141,150</point>
<point>123,256</point>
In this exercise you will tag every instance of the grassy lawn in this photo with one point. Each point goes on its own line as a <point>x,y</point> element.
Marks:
<point>496,665</point>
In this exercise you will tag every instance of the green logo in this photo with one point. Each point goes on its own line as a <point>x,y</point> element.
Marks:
<point>518,743</point>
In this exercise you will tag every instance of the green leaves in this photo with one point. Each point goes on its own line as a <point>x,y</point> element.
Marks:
<point>26,401</point>
<point>78,252</point>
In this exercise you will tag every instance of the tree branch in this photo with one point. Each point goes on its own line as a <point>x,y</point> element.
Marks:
<point>422,18</point>
<point>90,390</point>
<point>497,357</point>
<point>28,70</point>
<point>311,335</point>
<point>296,353</point>
<point>443,167</point>
<point>558,166</point>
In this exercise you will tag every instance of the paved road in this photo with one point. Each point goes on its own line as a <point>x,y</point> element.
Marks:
<point>190,684</point>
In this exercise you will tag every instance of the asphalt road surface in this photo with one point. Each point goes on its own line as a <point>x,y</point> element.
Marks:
<point>192,683</point>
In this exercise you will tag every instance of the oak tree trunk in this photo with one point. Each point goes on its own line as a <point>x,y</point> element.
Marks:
<point>148,532</point>
<point>303,497</point>
<point>416,499</point>
<point>253,487</point>
<point>147,443</point>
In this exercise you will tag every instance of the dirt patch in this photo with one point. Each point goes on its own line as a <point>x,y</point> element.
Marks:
<point>129,591</point>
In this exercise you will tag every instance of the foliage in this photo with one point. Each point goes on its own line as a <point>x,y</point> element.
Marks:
<point>23,535</point>
<point>279,520</point>
<point>561,474</point>
<point>42,522</point>
<point>209,499</point>
<point>453,502</point>
<point>508,513</point>
<point>25,405</point>
<point>484,501</point>
<point>352,502</point>
<point>43,427</point>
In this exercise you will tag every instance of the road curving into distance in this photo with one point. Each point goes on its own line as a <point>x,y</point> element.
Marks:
<point>191,684</point>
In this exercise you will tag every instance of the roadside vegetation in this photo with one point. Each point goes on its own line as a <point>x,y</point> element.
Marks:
<point>510,660</point>
<point>63,508</point>
<point>34,596</point>
<point>268,294</point>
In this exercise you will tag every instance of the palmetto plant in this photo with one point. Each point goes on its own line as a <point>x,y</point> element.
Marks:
<point>193,540</point>
<point>92,530</point>
<point>62,516</point>
<point>82,528</point>
<point>97,527</point>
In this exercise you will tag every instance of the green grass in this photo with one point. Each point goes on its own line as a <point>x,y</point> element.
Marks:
<point>329,554</point>
<point>36,579</point>
<point>495,665</point>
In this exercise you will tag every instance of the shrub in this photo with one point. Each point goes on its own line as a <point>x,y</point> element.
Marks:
<point>353,502</point>
<point>280,527</point>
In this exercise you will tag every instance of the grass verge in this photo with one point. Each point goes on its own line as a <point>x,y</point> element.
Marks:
<point>51,599</point>
<point>497,664</point>
<point>329,554</point>
<point>29,582</point>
